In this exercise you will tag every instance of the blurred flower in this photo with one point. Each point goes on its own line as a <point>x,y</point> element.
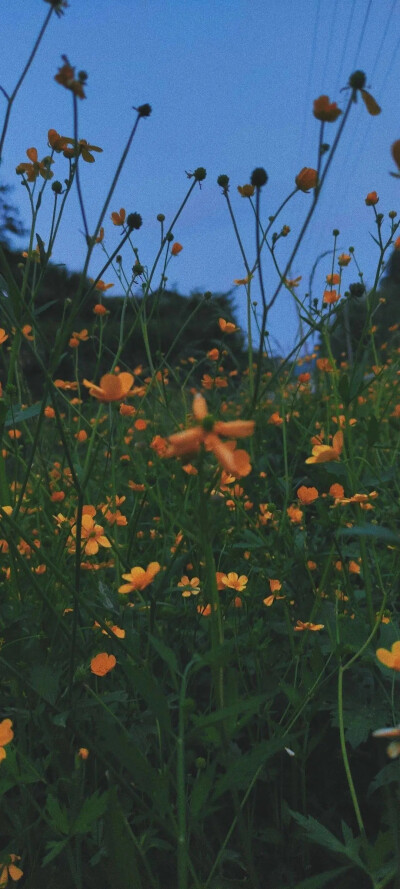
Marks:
<point>308,626</point>
<point>57,142</point>
<point>66,77</point>
<point>3,335</point>
<point>227,326</point>
<point>83,753</point>
<point>330,296</point>
<point>307,495</point>
<point>81,149</point>
<point>344,259</point>
<point>239,281</point>
<point>102,663</point>
<point>396,156</point>
<point>207,433</point>
<point>113,387</point>
<point>325,110</point>
<point>100,285</point>
<point>333,279</point>
<point>10,870</point>
<point>99,309</point>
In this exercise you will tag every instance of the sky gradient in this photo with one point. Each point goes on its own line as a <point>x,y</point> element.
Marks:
<point>231,84</point>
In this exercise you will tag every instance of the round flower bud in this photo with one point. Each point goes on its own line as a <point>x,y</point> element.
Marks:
<point>137,268</point>
<point>160,217</point>
<point>357,80</point>
<point>357,290</point>
<point>392,214</point>
<point>56,187</point>
<point>371,199</point>
<point>134,220</point>
<point>208,294</point>
<point>169,236</point>
<point>336,232</point>
<point>324,148</point>
<point>306,179</point>
<point>144,110</point>
<point>223,181</point>
<point>200,174</point>
<point>259,177</point>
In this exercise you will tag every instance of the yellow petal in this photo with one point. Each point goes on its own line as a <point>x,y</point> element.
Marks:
<point>370,103</point>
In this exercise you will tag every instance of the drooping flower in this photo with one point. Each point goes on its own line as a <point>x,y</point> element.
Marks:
<point>113,387</point>
<point>100,285</point>
<point>300,625</point>
<point>66,77</point>
<point>139,578</point>
<point>102,663</point>
<point>207,433</point>
<point>325,110</point>
<point>10,869</point>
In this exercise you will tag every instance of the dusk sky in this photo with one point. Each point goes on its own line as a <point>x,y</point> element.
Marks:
<point>231,84</point>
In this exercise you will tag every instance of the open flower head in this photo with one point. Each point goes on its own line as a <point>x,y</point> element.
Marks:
<point>139,578</point>
<point>391,658</point>
<point>326,453</point>
<point>6,735</point>
<point>10,869</point>
<point>207,433</point>
<point>113,387</point>
<point>325,110</point>
<point>102,663</point>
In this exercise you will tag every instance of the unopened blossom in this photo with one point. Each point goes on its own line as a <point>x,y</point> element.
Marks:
<point>176,248</point>
<point>66,77</point>
<point>306,179</point>
<point>6,735</point>
<point>371,199</point>
<point>207,433</point>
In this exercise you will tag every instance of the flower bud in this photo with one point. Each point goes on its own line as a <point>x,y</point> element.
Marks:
<point>134,220</point>
<point>56,187</point>
<point>259,177</point>
<point>200,174</point>
<point>160,217</point>
<point>357,80</point>
<point>357,290</point>
<point>144,110</point>
<point>223,181</point>
<point>306,179</point>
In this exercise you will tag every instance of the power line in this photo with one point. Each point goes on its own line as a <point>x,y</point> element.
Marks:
<point>361,38</point>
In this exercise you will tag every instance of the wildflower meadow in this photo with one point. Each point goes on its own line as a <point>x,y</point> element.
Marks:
<point>199,540</point>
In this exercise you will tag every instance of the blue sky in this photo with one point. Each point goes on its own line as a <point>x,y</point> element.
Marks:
<point>231,84</point>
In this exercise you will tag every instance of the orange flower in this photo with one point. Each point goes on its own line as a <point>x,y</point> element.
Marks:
<point>66,77</point>
<point>325,110</point>
<point>26,330</point>
<point>234,582</point>
<point>189,587</point>
<point>57,142</point>
<point>293,282</point>
<point>294,514</point>
<point>330,296</point>
<point>344,259</point>
<point>176,248</point>
<point>119,218</point>
<point>3,335</point>
<point>207,433</point>
<point>246,191</point>
<point>10,870</point>
<point>101,285</point>
<point>6,735</point>
<point>227,326</point>
<point>324,453</point>
<point>391,658</point>
<point>308,626</point>
<point>371,105</point>
<point>371,199</point>
<point>324,364</point>
<point>333,279</point>
<point>81,149</point>
<point>239,281</point>
<point>275,419</point>
<point>307,495</point>
<point>204,610</point>
<point>102,663</point>
<point>93,535</point>
<point>306,179</point>
<point>36,168</point>
<point>336,491</point>
<point>83,753</point>
<point>139,578</point>
<point>395,149</point>
<point>113,387</point>
<point>99,309</point>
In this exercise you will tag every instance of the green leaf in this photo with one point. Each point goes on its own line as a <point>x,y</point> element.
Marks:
<point>55,848</point>
<point>321,879</point>
<point>227,712</point>
<point>373,431</point>
<point>166,654</point>
<point>317,833</point>
<point>18,415</point>
<point>243,769</point>
<point>388,775</point>
<point>45,681</point>
<point>57,814</point>
<point>201,790</point>
<point>93,808</point>
<point>376,531</point>
<point>122,867</point>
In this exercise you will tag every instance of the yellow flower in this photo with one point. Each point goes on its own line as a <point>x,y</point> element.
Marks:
<point>234,582</point>
<point>324,453</point>
<point>139,578</point>
<point>391,658</point>
<point>113,387</point>
<point>6,735</point>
